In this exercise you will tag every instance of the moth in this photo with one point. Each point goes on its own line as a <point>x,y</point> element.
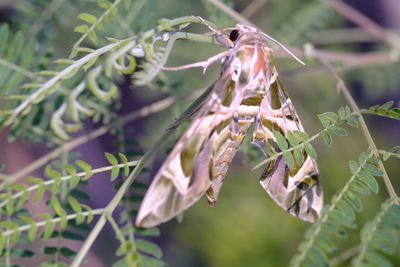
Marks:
<point>248,92</point>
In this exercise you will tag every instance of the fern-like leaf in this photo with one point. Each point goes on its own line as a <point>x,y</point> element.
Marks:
<point>380,236</point>
<point>340,214</point>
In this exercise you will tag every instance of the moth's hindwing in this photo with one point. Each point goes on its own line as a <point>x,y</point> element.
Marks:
<point>297,190</point>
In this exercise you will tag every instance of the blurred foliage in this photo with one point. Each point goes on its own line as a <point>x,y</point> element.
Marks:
<point>63,62</point>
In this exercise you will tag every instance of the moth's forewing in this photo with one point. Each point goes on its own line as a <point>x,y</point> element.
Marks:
<point>297,190</point>
<point>200,159</point>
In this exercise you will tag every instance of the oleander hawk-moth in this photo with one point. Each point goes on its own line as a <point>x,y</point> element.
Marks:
<point>247,92</point>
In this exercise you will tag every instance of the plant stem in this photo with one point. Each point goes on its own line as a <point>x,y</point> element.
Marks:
<point>54,220</point>
<point>369,25</point>
<point>232,13</point>
<point>345,255</point>
<point>143,112</point>
<point>63,179</point>
<point>343,90</point>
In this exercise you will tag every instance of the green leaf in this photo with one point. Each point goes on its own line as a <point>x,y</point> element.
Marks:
<point>48,230</point>
<point>353,166</point>
<point>86,167</point>
<point>105,4</point>
<point>75,179</point>
<point>352,122</point>
<point>298,154</point>
<point>34,180</point>
<point>342,112</point>
<point>337,130</point>
<point>369,180</point>
<point>148,231</point>
<point>280,140</point>
<point>317,255</point>
<point>56,205</point>
<point>114,173</point>
<point>39,193</point>
<point>324,120</point>
<point>149,247</point>
<point>372,169</point>
<point>10,207</point>
<point>387,105</point>
<point>354,201</point>
<point>331,116</point>
<point>50,250</point>
<point>124,160</point>
<point>327,137</point>
<point>310,150</point>
<point>67,252</point>
<point>289,160</point>
<point>32,232</point>
<point>89,18</point>
<point>22,200</point>
<point>343,219</point>
<point>69,169</point>
<point>376,259</point>
<point>292,139</point>
<point>21,253</point>
<point>81,28</point>
<point>361,189</point>
<point>151,262</point>
<point>345,207</point>
<point>72,236</point>
<point>111,159</point>
<point>75,205</point>
<point>92,36</point>
<point>383,245</point>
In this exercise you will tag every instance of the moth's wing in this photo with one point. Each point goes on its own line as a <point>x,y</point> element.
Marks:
<point>298,190</point>
<point>192,165</point>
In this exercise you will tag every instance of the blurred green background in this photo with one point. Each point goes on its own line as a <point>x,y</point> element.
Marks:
<point>245,228</point>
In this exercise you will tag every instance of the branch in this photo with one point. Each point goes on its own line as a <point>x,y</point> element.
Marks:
<point>229,11</point>
<point>63,179</point>
<point>343,90</point>
<point>54,220</point>
<point>369,25</point>
<point>143,112</point>
<point>253,8</point>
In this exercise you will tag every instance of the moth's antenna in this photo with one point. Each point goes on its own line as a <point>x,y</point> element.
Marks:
<point>284,48</point>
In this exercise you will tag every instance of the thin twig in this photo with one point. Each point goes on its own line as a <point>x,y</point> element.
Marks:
<point>253,8</point>
<point>369,25</point>
<point>350,100</point>
<point>342,35</point>
<point>344,256</point>
<point>229,11</point>
<point>63,179</point>
<point>54,220</point>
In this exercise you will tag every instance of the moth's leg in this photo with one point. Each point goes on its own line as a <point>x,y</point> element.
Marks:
<point>203,64</point>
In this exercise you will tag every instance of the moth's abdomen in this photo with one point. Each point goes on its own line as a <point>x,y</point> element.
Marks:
<point>229,140</point>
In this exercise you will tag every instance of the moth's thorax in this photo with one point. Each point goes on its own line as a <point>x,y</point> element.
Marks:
<point>251,61</point>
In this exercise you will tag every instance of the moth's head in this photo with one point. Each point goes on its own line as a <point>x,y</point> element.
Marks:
<point>239,31</point>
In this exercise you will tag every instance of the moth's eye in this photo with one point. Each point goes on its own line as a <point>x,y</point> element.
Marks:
<point>234,35</point>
